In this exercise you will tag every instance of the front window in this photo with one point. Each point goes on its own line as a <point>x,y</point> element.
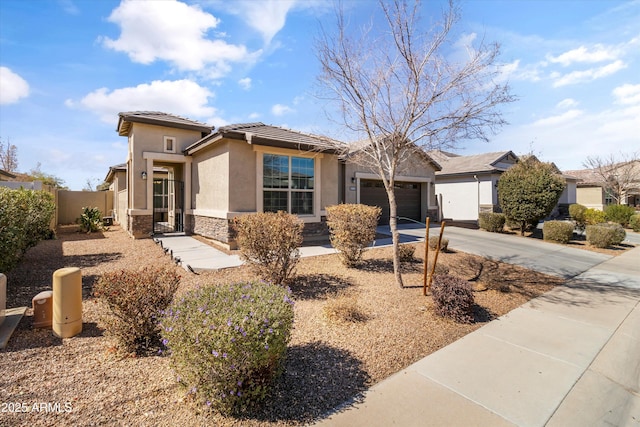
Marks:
<point>288,184</point>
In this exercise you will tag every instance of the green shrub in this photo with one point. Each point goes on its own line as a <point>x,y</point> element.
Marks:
<point>603,235</point>
<point>91,220</point>
<point>228,343</point>
<point>433,243</point>
<point>593,217</point>
<point>618,232</point>
<point>352,228</point>
<point>577,214</point>
<point>453,298</point>
<point>634,222</point>
<point>269,244</point>
<point>406,253</point>
<point>25,218</point>
<point>529,190</point>
<point>620,214</point>
<point>558,231</point>
<point>134,299</point>
<point>491,221</point>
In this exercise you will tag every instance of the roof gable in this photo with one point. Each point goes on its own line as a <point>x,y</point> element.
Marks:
<point>260,134</point>
<point>477,163</point>
<point>126,120</point>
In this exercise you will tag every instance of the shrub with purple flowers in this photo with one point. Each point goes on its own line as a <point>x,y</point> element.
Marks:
<point>228,343</point>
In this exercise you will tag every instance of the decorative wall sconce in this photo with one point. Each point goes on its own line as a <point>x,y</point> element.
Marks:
<point>353,179</point>
<point>144,174</point>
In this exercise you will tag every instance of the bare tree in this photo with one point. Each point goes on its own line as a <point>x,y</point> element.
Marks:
<point>8,156</point>
<point>617,175</point>
<point>402,90</point>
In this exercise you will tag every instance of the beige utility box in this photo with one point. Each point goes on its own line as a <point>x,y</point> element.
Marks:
<point>42,309</point>
<point>3,297</point>
<point>67,302</point>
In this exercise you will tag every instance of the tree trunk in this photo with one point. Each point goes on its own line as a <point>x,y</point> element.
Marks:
<point>393,224</point>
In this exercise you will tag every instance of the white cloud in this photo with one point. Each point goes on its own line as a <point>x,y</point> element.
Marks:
<point>627,94</point>
<point>567,103</point>
<point>217,121</point>
<point>245,83</point>
<point>183,97</point>
<point>559,119</point>
<point>254,116</point>
<point>280,110</point>
<point>583,76</point>
<point>598,53</point>
<point>268,17</point>
<point>175,32</point>
<point>69,7</point>
<point>12,87</point>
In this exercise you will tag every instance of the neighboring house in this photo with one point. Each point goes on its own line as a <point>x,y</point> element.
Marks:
<point>213,177</point>
<point>468,185</point>
<point>592,194</point>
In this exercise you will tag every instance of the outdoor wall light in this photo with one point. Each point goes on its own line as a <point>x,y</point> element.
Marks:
<point>353,179</point>
<point>144,174</point>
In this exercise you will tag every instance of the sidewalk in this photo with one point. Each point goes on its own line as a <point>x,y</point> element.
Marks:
<point>568,358</point>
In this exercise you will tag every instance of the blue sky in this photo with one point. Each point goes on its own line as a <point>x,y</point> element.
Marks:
<point>67,68</point>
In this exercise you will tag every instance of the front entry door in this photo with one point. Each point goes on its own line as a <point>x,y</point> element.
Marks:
<point>168,206</point>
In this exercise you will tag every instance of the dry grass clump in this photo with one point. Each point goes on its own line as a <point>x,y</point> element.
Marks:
<point>344,308</point>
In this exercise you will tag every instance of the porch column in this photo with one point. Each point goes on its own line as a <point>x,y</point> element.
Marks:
<point>187,184</point>
<point>150,185</point>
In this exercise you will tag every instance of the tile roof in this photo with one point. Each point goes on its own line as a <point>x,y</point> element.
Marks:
<point>259,133</point>
<point>158,118</point>
<point>7,174</point>
<point>453,164</point>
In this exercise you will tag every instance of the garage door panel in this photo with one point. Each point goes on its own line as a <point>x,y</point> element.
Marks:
<point>407,198</point>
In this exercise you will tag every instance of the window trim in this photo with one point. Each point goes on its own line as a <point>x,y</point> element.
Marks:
<point>173,140</point>
<point>317,178</point>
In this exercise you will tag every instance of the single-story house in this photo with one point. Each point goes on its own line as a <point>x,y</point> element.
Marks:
<point>468,185</point>
<point>212,177</point>
<point>592,194</point>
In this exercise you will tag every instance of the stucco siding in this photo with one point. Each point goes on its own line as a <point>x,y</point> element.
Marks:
<point>568,196</point>
<point>591,197</point>
<point>330,176</point>
<point>151,138</point>
<point>210,179</point>
<point>242,177</point>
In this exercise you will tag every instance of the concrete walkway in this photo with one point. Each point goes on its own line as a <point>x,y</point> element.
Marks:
<point>194,254</point>
<point>568,358</point>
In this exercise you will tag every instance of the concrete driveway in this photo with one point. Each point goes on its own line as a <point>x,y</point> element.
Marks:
<point>550,258</point>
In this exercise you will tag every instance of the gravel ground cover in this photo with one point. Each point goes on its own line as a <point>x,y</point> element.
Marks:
<point>81,381</point>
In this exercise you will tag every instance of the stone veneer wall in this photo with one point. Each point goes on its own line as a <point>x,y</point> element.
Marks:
<point>315,230</point>
<point>221,230</point>
<point>214,228</point>
<point>140,226</point>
